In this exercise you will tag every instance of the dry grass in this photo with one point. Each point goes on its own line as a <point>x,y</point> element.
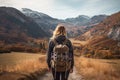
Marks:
<point>96,69</point>
<point>27,66</point>
<point>17,57</point>
<point>32,63</point>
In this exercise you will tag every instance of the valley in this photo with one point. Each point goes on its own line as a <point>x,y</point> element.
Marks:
<point>24,37</point>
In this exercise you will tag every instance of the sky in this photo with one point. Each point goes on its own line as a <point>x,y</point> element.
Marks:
<point>62,9</point>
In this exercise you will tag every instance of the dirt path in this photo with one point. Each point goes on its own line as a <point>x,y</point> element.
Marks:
<point>72,76</point>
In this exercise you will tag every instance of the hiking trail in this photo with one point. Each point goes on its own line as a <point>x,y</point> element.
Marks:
<point>72,76</point>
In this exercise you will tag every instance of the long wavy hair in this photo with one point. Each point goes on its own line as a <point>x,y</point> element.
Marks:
<point>60,30</point>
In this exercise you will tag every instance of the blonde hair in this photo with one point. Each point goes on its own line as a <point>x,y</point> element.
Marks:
<point>60,30</point>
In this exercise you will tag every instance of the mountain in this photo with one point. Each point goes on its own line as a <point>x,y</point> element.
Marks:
<point>114,33</point>
<point>82,23</point>
<point>75,26</point>
<point>16,27</point>
<point>104,38</point>
<point>35,24</point>
<point>46,22</point>
<point>98,18</point>
<point>108,27</point>
<point>81,20</point>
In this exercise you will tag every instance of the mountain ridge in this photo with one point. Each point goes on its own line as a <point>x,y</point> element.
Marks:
<point>103,40</point>
<point>13,24</point>
<point>49,24</point>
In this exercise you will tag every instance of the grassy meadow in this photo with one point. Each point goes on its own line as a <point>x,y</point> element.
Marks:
<point>18,65</point>
<point>98,69</point>
<point>28,66</point>
<point>95,69</point>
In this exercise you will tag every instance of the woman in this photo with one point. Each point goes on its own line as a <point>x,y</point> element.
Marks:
<point>60,35</point>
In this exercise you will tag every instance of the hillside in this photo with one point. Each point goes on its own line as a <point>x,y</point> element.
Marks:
<point>16,27</point>
<point>75,26</point>
<point>103,39</point>
<point>46,22</point>
<point>80,20</point>
<point>108,28</point>
<point>22,66</point>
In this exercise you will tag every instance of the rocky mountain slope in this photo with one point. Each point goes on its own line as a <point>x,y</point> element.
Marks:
<point>16,27</point>
<point>46,22</point>
<point>110,27</point>
<point>81,20</point>
<point>104,38</point>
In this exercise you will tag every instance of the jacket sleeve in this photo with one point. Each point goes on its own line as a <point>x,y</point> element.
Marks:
<point>49,52</point>
<point>71,54</point>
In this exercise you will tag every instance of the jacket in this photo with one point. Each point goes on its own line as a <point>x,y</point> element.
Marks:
<point>59,40</point>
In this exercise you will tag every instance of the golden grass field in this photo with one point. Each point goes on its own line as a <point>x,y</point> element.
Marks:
<point>98,69</point>
<point>15,65</point>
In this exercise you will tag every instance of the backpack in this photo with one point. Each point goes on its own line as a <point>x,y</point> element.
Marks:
<point>60,59</point>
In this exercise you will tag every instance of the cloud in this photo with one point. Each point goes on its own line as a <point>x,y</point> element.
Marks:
<point>44,6</point>
<point>66,8</point>
<point>33,4</point>
<point>88,7</point>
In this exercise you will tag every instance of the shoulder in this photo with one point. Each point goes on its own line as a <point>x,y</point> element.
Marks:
<point>69,42</point>
<point>51,42</point>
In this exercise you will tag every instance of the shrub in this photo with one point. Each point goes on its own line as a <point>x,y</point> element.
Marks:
<point>104,54</point>
<point>5,50</point>
<point>18,48</point>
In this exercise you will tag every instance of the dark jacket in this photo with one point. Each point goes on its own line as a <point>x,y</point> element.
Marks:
<point>59,40</point>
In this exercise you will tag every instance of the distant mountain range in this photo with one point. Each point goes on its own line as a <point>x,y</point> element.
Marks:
<point>101,32</point>
<point>18,25</point>
<point>45,21</point>
<point>48,23</point>
<point>110,27</point>
<point>81,20</point>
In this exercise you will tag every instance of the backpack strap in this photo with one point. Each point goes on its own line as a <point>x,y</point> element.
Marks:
<point>55,42</point>
<point>65,41</point>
